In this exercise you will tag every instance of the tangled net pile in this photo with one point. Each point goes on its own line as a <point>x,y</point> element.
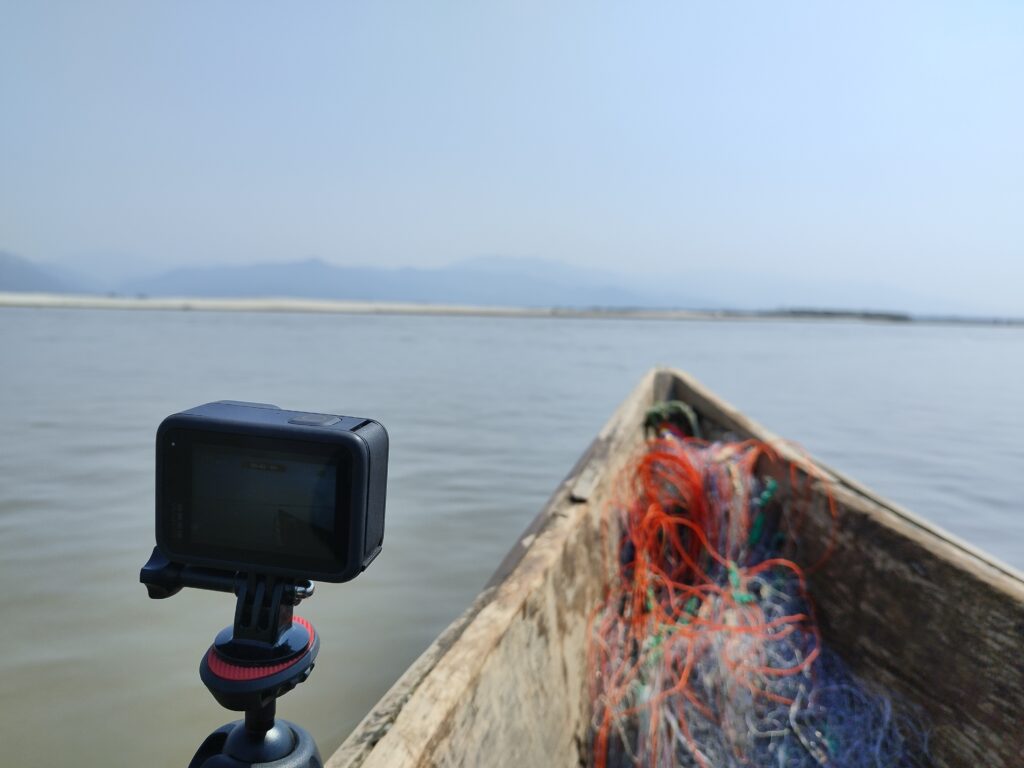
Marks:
<point>706,652</point>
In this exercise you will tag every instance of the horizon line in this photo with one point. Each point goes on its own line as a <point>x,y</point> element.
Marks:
<point>284,304</point>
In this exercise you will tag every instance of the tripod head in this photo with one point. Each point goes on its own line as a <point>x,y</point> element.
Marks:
<point>254,501</point>
<point>263,655</point>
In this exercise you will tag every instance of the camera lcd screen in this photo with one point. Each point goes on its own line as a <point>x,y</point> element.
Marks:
<point>257,502</point>
<point>261,500</point>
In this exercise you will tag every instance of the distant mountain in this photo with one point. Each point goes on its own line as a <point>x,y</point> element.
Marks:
<point>18,274</point>
<point>494,281</point>
<point>489,281</point>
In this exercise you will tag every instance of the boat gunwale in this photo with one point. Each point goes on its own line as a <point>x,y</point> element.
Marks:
<point>360,744</point>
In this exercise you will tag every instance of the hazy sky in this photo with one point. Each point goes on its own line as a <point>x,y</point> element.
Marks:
<point>879,143</point>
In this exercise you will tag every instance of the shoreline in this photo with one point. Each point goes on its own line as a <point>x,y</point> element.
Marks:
<point>336,306</point>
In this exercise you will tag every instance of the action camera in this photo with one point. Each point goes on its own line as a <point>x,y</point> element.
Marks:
<point>253,488</point>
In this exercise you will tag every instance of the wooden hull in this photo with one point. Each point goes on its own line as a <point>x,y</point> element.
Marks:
<point>903,602</point>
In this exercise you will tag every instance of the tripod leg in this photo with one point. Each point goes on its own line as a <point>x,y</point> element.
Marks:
<point>235,746</point>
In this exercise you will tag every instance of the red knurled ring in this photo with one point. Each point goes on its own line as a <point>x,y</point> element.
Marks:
<point>229,671</point>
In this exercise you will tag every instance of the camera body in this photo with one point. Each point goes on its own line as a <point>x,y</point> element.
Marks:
<point>256,489</point>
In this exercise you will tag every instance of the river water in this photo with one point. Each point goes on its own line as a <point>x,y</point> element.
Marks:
<point>485,416</point>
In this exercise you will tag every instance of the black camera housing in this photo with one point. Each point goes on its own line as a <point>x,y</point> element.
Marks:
<point>252,488</point>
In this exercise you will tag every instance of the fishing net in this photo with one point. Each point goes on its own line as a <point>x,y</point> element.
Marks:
<point>706,652</point>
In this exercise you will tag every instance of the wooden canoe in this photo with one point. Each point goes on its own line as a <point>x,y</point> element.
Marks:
<point>915,609</point>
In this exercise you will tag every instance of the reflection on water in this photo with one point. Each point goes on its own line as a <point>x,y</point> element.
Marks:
<point>485,417</point>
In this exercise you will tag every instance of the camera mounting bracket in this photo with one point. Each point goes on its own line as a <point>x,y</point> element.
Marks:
<point>165,578</point>
<point>263,655</point>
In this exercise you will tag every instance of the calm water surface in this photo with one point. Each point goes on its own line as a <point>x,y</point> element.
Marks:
<point>485,417</point>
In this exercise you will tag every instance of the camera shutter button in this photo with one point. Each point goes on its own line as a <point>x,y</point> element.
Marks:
<point>315,420</point>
